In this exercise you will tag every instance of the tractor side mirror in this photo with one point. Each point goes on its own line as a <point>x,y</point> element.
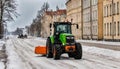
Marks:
<point>77,26</point>
<point>50,28</point>
<point>50,25</point>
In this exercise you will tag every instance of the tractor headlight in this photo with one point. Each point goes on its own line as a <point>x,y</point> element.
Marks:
<point>70,37</point>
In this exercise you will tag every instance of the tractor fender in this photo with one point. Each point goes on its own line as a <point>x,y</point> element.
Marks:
<point>51,39</point>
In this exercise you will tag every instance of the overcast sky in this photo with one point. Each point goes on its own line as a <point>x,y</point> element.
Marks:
<point>28,10</point>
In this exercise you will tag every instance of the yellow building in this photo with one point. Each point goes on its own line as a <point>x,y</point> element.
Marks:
<point>111,19</point>
<point>74,16</point>
<point>92,19</point>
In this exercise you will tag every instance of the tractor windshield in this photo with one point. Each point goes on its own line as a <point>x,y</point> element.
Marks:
<point>63,28</point>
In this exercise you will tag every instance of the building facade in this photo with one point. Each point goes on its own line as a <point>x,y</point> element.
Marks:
<point>111,19</point>
<point>59,15</point>
<point>74,16</point>
<point>92,19</point>
<point>51,17</point>
<point>45,22</point>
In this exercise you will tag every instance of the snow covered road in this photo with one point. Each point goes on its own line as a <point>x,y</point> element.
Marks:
<point>21,56</point>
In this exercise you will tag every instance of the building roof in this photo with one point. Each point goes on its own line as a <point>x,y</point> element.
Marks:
<point>68,1</point>
<point>49,12</point>
<point>58,12</point>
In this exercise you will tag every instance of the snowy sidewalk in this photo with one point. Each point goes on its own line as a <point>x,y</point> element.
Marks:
<point>2,55</point>
<point>101,44</point>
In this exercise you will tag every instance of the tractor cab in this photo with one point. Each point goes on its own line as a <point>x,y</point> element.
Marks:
<point>62,28</point>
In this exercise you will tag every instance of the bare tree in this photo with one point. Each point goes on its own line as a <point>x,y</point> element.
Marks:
<point>7,12</point>
<point>36,24</point>
<point>57,7</point>
<point>46,6</point>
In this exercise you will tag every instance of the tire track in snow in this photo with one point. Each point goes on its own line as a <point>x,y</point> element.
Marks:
<point>61,63</point>
<point>22,55</point>
<point>57,65</point>
<point>100,64</point>
<point>54,61</point>
<point>102,61</point>
<point>68,64</point>
<point>89,61</point>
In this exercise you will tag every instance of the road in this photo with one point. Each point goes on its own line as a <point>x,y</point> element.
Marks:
<point>106,46</point>
<point>24,49</point>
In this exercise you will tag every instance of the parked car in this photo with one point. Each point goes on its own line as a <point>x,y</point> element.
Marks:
<point>22,36</point>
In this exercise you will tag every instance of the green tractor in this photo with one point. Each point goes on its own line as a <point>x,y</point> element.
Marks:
<point>62,41</point>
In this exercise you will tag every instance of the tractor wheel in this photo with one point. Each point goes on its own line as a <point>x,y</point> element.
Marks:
<point>57,52</point>
<point>70,55</point>
<point>78,52</point>
<point>49,53</point>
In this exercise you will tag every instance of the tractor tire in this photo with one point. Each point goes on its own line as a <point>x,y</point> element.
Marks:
<point>78,52</point>
<point>49,53</point>
<point>70,55</point>
<point>57,52</point>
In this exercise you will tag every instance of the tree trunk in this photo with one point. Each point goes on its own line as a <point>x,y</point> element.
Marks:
<point>1,21</point>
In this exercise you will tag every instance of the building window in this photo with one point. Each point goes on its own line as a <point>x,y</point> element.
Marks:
<point>114,28</point>
<point>114,10</point>
<point>118,29</point>
<point>107,11</point>
<point>117,7</point>
<point>110,29</point>
<point>107,29</point>
<point>110,10</point>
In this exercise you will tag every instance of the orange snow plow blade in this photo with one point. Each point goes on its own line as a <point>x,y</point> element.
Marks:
<point>40,50</point>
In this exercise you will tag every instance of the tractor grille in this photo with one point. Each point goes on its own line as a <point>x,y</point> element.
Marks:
<point>70,40</point>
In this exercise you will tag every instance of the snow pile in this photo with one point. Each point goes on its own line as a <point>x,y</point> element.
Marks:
<point>2,65</point>
<point>102,52</point>
<point>1,44</point>
<point>14,61</point>
<point>100,42</point>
